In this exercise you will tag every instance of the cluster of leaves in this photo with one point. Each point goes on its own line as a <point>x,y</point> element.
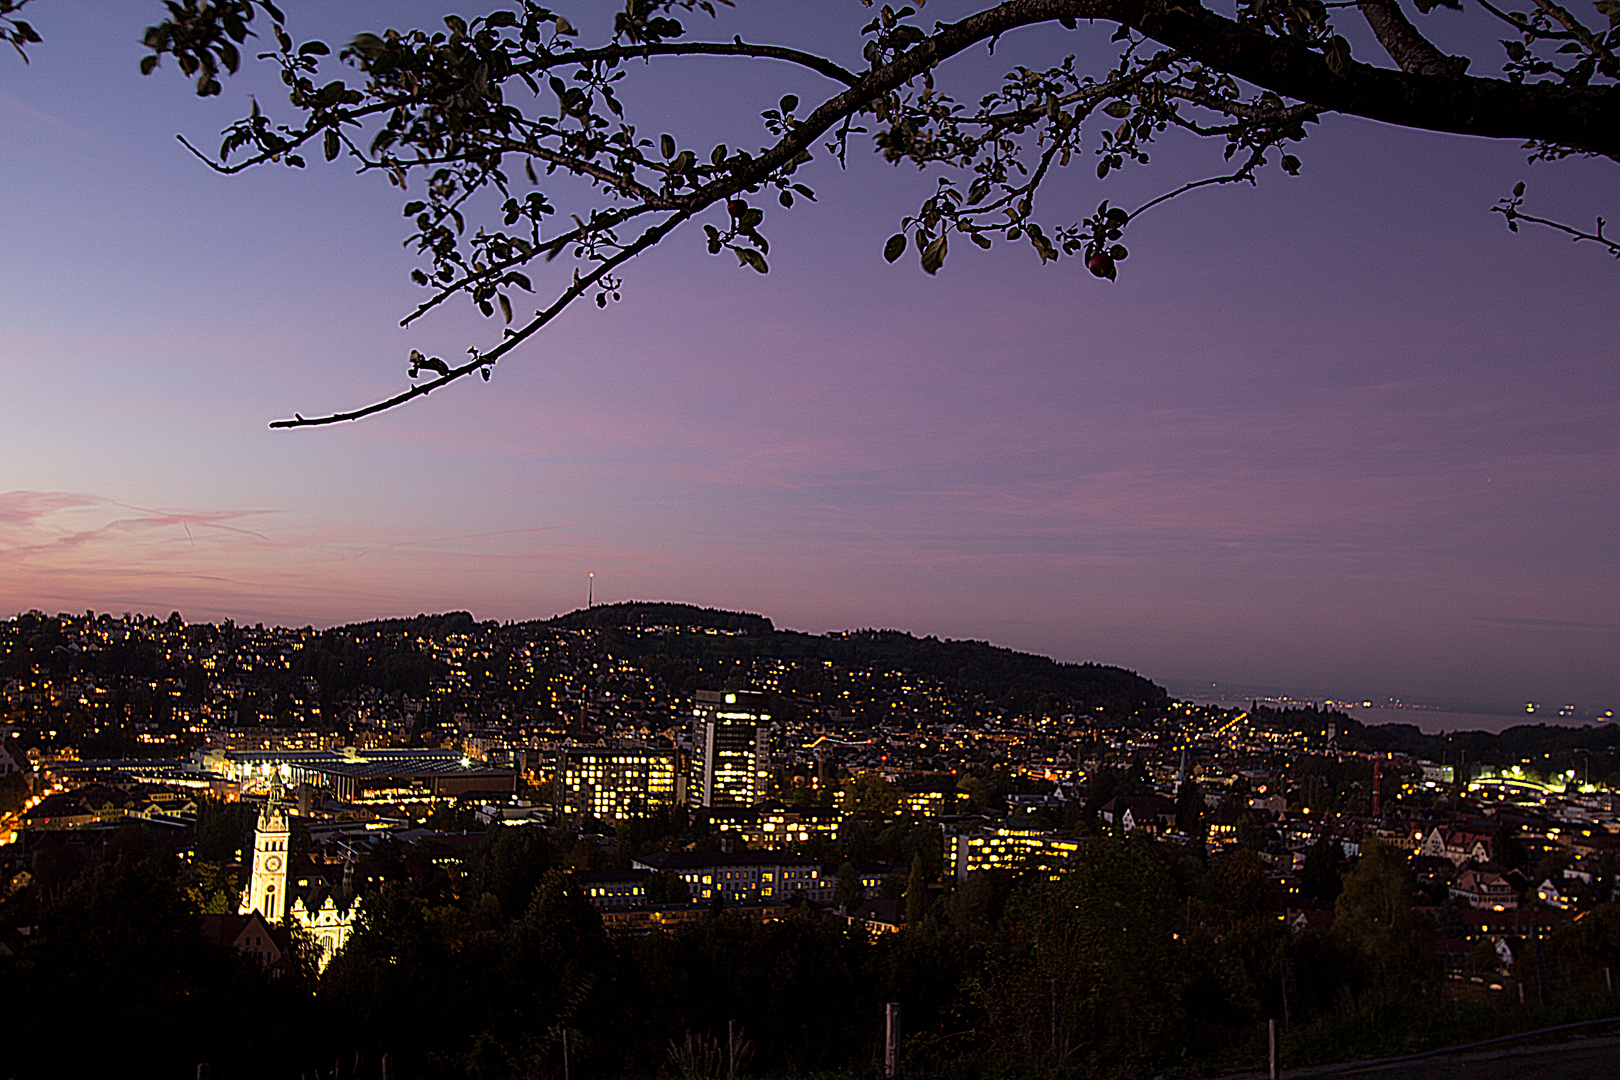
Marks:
<point>1573,52</point>
<point>436,108</point>
<point>204,36</point>
<point>1006,146</point>
<point>16,32</point>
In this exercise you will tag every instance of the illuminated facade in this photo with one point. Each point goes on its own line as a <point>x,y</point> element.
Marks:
<point>267,885</point>
<point>744,877</point>
<point>729,752</point>
<point>613,784</point>
<point>777,827</point>
<point>310,908</point>
<point>926,804</point>
<point>1013,849</point>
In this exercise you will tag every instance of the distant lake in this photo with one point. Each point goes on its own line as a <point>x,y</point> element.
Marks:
<point>1428,721</point>
<point>1434,721</point>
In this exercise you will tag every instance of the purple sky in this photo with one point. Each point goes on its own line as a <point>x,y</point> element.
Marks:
<point>1342,431</point>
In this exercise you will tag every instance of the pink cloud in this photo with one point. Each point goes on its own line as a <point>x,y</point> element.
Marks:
<point>21,507</point>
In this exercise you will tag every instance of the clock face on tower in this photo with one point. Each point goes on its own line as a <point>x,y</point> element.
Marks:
<point>273,863</point>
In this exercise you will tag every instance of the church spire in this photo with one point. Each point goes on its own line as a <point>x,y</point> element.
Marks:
<point>267,885</point>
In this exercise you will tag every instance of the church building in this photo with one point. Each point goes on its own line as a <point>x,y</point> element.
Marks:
<point>305,901</point>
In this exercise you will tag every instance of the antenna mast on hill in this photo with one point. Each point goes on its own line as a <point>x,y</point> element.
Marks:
<point>590,588</point>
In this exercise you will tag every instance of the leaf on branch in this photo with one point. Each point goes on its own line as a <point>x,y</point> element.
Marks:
<point>1337,56</point>
<point>896,247</point>
<point>432,363</point>
<point>1119,110</point>
<point>933,256</point>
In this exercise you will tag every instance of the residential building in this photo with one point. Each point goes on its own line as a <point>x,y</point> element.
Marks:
<point>1485,891</point>
<point>1154,813</point>
<point>744,877</point>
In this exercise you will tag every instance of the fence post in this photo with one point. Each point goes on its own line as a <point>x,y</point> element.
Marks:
<point>565,1053</point>
<point>1272,1025</point>
<point>388,1067</point>
<point>891,1041</point>
<point>1541,969</point>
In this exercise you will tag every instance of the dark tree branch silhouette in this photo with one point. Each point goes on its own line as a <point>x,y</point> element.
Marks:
<point>500,104</point>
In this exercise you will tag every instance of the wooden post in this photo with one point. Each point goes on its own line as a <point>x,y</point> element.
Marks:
<point>1608,980</point>
<point>388,1067</point>
<point>1521,993</point>
<point>731,1049</point>
<point>1272,1025</point>
<point>891,1041</point>
<point>565,1053</point>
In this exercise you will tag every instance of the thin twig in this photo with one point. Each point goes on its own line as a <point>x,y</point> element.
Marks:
<point>485,360</point>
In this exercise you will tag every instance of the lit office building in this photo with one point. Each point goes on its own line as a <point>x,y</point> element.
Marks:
<point>613,784</point>
<point>1001,848</point>
<point>778,827</point>
<point>729,753</point>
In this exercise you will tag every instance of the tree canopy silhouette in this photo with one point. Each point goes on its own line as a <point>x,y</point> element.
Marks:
<point>490,125</point>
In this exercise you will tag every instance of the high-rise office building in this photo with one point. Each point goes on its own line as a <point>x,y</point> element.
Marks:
<point>729,757</point>
<point>613,784</point>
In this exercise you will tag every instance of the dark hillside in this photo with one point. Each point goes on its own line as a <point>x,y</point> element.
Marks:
<point>1013,680</point>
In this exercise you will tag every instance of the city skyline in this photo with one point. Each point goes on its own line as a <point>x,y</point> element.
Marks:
<point>1342,431</point>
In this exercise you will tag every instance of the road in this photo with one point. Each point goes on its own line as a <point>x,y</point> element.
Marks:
<point>1578,1059</point>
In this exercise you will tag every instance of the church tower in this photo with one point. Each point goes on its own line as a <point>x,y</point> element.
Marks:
<point>267,888</point>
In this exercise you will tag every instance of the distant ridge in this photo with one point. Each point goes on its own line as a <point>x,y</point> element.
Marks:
<point>645,613</point>
<point>1002,677</point>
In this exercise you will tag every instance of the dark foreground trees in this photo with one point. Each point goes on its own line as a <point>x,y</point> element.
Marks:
<point>528,183</point>
<point>1140,962</point>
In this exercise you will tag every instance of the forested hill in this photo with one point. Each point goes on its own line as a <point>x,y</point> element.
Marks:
<point>649,616</point>
<point>1015,680</point>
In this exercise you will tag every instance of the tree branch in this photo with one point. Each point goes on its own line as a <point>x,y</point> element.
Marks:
<point>611,53</point>
<point>483,361</point>
<point>1433,95</point>
<point>1509,209</point>
<point>1579,116</point>
<point>1579,31</point>
<point>1405,45</point>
